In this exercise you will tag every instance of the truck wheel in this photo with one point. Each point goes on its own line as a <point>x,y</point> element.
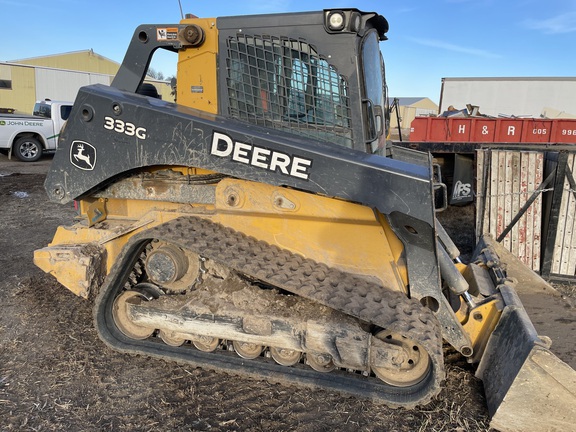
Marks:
<point>27,149</point>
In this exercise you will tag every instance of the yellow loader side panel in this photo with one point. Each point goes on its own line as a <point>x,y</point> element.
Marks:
<point>334,232</point>
<point>338,233</point>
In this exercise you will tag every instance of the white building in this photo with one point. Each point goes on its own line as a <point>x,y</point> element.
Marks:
<point>521,97</point>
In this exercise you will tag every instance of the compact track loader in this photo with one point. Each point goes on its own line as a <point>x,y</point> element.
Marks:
<point>261,225</point>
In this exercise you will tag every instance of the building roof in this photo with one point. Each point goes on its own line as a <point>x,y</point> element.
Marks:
<point>87,51</point>
<point>527,78</point>
<point>82,61</point>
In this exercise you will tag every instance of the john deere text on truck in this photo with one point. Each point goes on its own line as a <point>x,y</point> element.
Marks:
<point>28,137</point>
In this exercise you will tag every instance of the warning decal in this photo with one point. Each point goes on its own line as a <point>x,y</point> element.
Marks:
<point>165,34</point>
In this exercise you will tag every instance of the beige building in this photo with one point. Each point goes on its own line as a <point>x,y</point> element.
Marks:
<point>408,108</point>
<point>57,77</point>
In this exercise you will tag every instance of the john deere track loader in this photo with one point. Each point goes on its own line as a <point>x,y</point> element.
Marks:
<point>261,226</point>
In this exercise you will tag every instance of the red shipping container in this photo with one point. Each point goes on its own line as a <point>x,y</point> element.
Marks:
<point>563,131</point>
<point>483,130</point>
<point>459,129</point>
<point>508,130</point>
<point>438,129</point>
<point>419,129</point>
<point>536,130</point>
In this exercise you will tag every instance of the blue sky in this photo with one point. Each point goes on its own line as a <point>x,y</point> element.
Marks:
<point>428,40</point>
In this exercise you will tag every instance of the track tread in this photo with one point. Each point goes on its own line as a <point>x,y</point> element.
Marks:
<point>349,293</point>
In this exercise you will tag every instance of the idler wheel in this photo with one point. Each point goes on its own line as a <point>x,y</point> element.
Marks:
<point>122,318</point>
<point>397,360</point>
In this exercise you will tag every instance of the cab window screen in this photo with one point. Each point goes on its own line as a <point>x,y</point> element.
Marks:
<point>284,84</point>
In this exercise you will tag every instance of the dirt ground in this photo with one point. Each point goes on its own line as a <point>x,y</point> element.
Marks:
<point>55,374</point>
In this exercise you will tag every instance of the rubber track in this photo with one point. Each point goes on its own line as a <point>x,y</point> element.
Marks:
<point>339,290</point>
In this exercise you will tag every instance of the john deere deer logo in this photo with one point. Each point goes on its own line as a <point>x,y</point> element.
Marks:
<point>83,155</point>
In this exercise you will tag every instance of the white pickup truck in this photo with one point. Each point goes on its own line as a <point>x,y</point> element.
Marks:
<point>28,137</point>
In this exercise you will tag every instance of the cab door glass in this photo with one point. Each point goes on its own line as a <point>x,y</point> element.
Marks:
<point>374,87</point>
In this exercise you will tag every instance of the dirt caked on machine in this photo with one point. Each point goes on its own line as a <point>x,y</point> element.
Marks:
<point>262,226</point>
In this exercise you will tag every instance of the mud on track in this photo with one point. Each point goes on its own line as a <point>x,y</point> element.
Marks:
<point>55,374</point>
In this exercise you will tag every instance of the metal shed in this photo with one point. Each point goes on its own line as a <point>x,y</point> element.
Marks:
<point>529,96</point>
